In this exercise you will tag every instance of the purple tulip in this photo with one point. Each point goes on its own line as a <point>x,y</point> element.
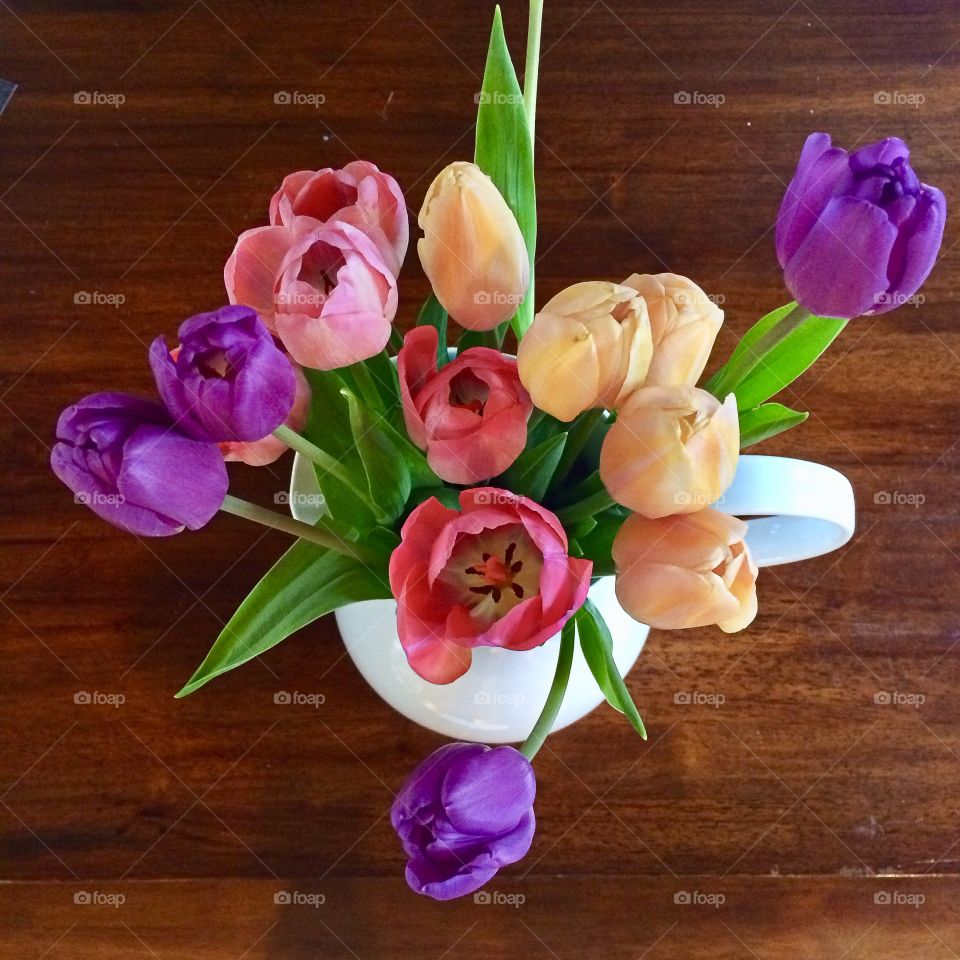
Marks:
<point>123,457</point>
<point>857,232</point>
<point>466,811</point>
<point>228,381</point>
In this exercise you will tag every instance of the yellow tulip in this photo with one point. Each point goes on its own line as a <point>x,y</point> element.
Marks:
<point>690,570</point>
<point>472,250</point>
<point>589,346</point>
<point>684,323</point>
<point>671,450</point>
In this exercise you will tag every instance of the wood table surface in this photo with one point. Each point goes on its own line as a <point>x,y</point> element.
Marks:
<point>811,811</point>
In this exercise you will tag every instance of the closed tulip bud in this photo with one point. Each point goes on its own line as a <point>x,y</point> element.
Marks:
<point>684,323</point>
<point>472,249</point>
<point>589,347</point>
<point>691,570</point>
<point>672,450</point>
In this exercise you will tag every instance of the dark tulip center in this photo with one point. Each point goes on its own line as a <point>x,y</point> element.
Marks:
<point>468,391</point>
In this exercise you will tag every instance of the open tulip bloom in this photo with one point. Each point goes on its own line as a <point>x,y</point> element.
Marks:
<point>484,483</point>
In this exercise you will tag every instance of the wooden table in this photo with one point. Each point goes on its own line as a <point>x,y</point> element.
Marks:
<point>801,818</point>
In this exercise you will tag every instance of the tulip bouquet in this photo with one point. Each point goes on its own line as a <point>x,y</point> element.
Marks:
<point>484,492</point>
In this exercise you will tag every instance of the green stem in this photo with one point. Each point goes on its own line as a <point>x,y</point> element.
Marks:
<point>733,374</point>
<point>321,458</point>
<point>532,66</point>
<point>558,688</point>
<point>368,389</point>
<point>577,437</point>
<point>296,528</point>
<point>588,507</point>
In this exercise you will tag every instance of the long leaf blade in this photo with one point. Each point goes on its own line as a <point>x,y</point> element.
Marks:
<point>767,421</point>
<point>307,582</point>
<point>504,150</point>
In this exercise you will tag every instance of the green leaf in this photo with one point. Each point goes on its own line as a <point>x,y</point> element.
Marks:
<point>532,471</point>
<point>596,544</point>
<point>386,473</point>
<point>328,426</point>
<point>558,688</point>
<point>756,376</point>
<point>304,584</point>
<point>504,150</point>
<point>767,421</point>
<point>482,338</point>
<point>595,637</point>
<point>433,315</point>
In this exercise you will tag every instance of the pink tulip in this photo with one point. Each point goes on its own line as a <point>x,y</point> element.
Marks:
<point>495,573</point>
<point>260,453</point>
<point>471,416</point>
<point>690,570</point>
<point>359,194</point>
<point>322,288</point>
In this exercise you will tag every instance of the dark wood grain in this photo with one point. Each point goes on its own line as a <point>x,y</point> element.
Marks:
<point>797,798</point>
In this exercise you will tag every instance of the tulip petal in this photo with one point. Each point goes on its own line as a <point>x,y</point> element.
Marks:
<point>840,268</point>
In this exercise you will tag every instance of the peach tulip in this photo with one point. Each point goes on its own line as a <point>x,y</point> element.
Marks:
<point>472,250</point>
<point>684,322</point>
<point>671,450</point>
<point>590,346</point>
<point>689,570</point>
